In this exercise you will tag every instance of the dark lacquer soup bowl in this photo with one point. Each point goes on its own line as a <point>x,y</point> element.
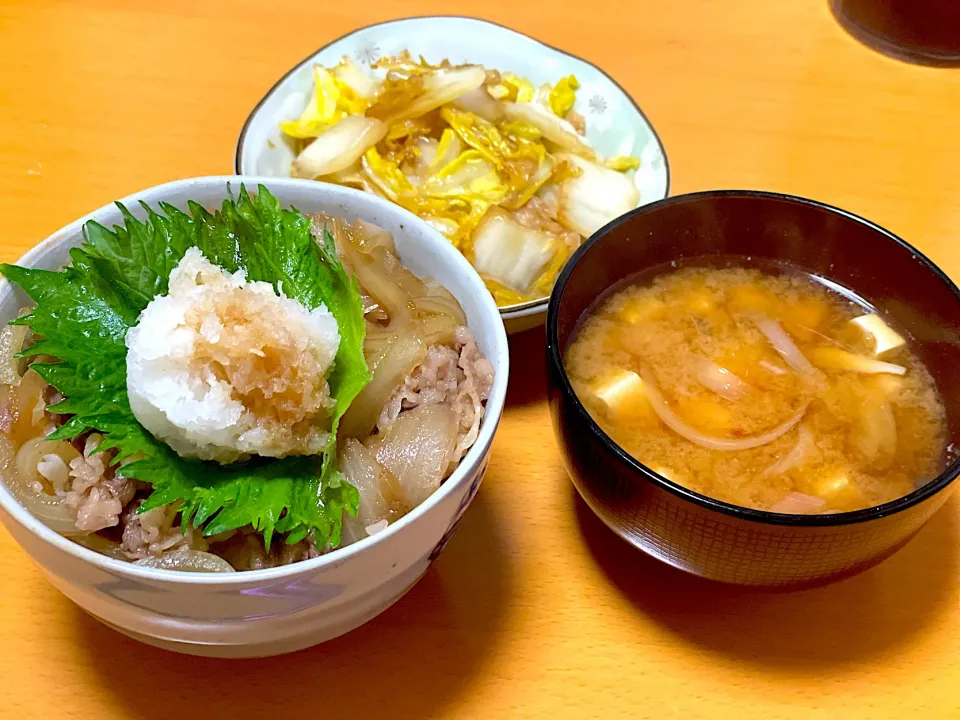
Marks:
<point>700,534</point>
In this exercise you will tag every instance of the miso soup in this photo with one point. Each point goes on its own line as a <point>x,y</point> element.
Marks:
<point>764,390</point>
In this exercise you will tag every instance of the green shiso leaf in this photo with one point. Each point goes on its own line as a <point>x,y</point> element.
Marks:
<point>83,313</point>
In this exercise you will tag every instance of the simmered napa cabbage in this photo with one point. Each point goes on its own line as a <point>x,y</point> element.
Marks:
<point>499,166</point>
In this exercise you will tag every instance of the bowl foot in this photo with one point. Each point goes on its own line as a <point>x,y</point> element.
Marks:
<point>269,646</point>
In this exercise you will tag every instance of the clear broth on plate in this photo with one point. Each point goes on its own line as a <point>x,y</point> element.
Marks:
<point>769,389</point>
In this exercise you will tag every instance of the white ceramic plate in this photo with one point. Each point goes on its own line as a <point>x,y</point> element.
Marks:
<point>615,123</point>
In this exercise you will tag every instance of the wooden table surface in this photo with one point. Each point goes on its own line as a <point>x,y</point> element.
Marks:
<point>535,610</point>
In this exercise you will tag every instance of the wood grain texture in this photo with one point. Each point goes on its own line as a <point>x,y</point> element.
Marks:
<point>534,610</point>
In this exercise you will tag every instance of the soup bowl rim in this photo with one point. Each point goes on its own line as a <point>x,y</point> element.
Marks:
<point>555,362</point>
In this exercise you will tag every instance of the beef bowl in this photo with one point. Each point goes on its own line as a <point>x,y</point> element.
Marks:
<point>242,416</point>
<point>756,388</point>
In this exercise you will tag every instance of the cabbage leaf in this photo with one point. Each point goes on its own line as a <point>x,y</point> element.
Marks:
<point>563,95</point>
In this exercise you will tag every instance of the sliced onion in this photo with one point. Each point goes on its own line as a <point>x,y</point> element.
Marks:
<point>782,343</point>
<point>100,544</point>
<point>373,236</point>
<point>332,224</point>
<point>775,369</point>
<point>675,423</point>
<point>438,330</point>
<point>360,467</point>
<point>186,560</point>
<point>365,237</point>
<point>795,503</point>
<point>721,381</point>
<point>12,338</point>
<point>27,396</point>
<point>33,451</point>
<point>404,355</point>
<point>378,526</point>
<point>51,510</point>
<point>339,147</point>
<point>374,280</point>
<point>441,305</point>
<point>805,450</point>
<point>418,449</point>
<point>379,334</point>
<point>380,339</point>
<point>351,530</point>
<point>24,482</point>
<point>408,282</point>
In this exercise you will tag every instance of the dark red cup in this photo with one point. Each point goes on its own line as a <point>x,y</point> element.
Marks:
<point>926,32</point>
<point>699,534</point>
